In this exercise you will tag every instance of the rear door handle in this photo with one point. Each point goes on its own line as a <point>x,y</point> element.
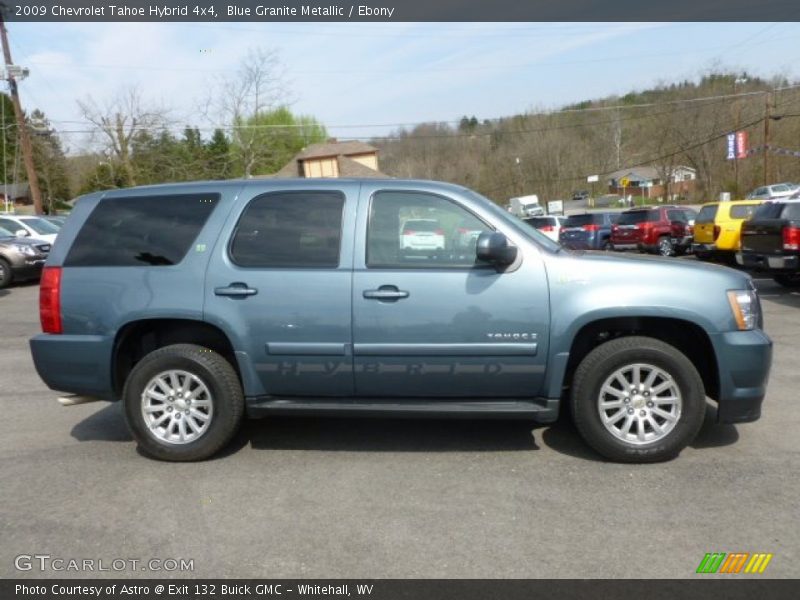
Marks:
<point>236,290</point>
<point>386,293</point>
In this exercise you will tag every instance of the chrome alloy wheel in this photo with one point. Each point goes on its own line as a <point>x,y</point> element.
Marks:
<point>639,403</point>
<point>177,407</point>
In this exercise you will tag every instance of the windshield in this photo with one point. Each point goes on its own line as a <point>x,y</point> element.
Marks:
<point>5,233</point>
<point>581,220</point>
<point>519,225</point>
<point>40,226</point>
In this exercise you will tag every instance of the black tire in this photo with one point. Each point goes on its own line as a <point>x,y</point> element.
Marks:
<point>704,256</point>
<point>6,276</point>
<point>219,377</point>
<point>606,246</point>
<point>789,281</point>
<point>601,363</point>
<point>665,246</point>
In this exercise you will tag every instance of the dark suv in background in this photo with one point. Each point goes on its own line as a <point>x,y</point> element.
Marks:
<point>665,230</point>
<point>771,241</point>
<point>589,231</point>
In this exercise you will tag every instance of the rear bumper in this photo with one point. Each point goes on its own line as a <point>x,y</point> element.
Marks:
<point>78,364</point>
<point>763,262</point>
<point>704,248</point>
<point>745,358</point>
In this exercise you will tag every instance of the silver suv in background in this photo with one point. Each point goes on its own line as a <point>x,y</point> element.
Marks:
<point>20,258</point>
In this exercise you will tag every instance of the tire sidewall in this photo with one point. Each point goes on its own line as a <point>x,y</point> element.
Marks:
<point>5,268</point>
<point>218,431</point>
<point>585,407</point>
<point>663,243</point>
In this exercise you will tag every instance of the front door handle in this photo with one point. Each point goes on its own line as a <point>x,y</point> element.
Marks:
<point>386,293</point>
<point>236,290</point>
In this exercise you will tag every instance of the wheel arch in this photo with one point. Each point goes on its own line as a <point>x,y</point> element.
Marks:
<point>687,336</point>
<point>138,338</point>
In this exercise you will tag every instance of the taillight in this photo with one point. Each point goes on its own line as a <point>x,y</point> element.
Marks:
<point>50,300</point>
<point>546,228</point>
<point>591,227</point>
<point>791,238</point>
<point>439,232</point>
<point>614,228</point>
<point>717,231</point>
<point>409,232</point>
<point>462,230</point>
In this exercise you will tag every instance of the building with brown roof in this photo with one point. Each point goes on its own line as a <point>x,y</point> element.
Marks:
<point>334,159</point>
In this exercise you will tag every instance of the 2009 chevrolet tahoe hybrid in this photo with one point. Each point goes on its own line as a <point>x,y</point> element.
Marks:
<point>197,304</point>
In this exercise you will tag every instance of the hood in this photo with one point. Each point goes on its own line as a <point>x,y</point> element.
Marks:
<point>23,241</point>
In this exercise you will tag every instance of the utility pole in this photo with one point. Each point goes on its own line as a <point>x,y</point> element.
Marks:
<point>766,139</point>
<point>25,140</point>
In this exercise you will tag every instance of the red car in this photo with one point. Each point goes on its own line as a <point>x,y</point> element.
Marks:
<point>665,230</point>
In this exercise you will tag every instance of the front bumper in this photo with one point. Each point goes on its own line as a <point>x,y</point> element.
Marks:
<point>762,262</point>
<point>744,359</point>
<point>30,269</point>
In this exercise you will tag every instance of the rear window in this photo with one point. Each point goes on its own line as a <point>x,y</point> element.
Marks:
<point>637,216</point>
<point>746,211</point>
<point>421,225</point>
<point>40,225</point>
<point>581,220</point>
<point>539,222</point>
<point>139,231</point>
<point>707,214</point>
<point>769,210</point>
<point>791,211</point>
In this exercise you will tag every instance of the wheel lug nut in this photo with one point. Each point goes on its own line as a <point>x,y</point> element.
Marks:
<point>169,409</point>
<point>643,413</point>
<point>647,393</point>
<point>177,415</point>
<point>187,412</point>
<point>649,405</point>
<point>630,411</point>
<point>627,400</point>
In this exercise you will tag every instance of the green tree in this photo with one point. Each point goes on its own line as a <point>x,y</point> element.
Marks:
<point>218,156</point>
<point>269,139</point>
<point>9,141</point>
<point>49,161</point>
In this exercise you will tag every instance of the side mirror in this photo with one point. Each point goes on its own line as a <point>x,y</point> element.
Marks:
<point>493,248</point>
<point>21,233</point>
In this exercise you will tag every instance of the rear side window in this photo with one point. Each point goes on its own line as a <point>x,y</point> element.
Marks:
<point>708,213</point>
<point>141,231</point>
<point>743,211</point>
<point>290,229</point>
<point>539,222</point>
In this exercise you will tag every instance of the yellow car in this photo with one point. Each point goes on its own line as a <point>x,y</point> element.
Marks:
<point>718,227</point>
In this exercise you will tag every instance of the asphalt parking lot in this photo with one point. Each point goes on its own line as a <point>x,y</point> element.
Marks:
<point>393,498</point>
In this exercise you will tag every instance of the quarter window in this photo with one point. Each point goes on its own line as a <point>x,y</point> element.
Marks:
<point>420,230</point>
<point>141,231</point>
<point>290,229</point>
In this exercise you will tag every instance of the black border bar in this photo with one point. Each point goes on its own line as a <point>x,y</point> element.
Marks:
<point>402,10</point>
<point>700,588</point>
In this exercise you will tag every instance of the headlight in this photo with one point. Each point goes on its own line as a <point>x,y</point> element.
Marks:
<point>745,307</point>
<point>24,249</point>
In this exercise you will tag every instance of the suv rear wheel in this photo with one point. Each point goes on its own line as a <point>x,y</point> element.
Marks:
<point>183,402</point>
<point>665,246</point>
<point>637,399</point>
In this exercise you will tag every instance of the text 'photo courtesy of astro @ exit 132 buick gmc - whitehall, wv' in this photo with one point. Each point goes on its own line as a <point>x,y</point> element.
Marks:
<point>198,304</point>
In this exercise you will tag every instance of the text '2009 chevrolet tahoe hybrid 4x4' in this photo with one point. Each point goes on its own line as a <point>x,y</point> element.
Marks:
<point>197,304</point>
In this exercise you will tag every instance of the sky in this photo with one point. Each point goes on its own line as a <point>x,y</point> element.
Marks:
<point>365,79</point>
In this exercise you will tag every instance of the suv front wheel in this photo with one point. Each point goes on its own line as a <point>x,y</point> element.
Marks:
<point>637,399</point>
<point>665,247</point>
<point>183,402</point>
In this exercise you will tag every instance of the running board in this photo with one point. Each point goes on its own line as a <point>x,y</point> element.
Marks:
<point>542,410</point>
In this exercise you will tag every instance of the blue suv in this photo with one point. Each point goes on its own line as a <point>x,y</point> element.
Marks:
<point>197,304</point>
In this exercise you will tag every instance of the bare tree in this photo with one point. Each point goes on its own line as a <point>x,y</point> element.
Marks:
<point>257,86</point>
<point>117,121</point>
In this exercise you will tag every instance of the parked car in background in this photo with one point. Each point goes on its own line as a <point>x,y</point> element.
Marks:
<point>771,241</point>
<point>20,258</point>
<point>549,226</point>
<point>589,231</point>
<point>25,226</point>
<point>718,228</point>
<point>422,234</point>
<point>580,195</point>
<point>196,304</point>
<point>769,192</point>
<point>56,220</point>
<point>665,230</point>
